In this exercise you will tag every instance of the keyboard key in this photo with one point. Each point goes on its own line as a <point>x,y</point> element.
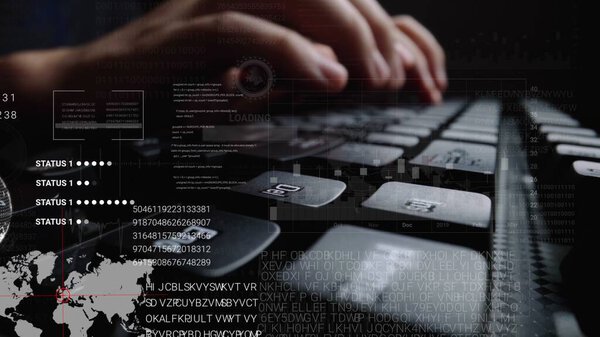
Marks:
<point>578,151</point>
<point>467,208</point>
<point>474,127</point>
<point>447,108</point>
<point>409,130</point>
<point>392,139</point>
<point>542,112</point>
<point>453,155</point>
<point>348,133</point>
<point>422,122</point>
<point>333,119</point>
<point>479,121</point>
<point>567,130</point>
<point>479,137</point>
<point>296,148</point>
<point>587,168</point>
<point>234,240</point>
<point>364,154</point>
<point>556,120</point>
<point>296,189</point>
<point>586,181</point>
<point>572,139</point>
<point>560,159</point>
<point>396,276</point>
<point>398,113</point>
<point>431,117</point>
<point>490,108</point>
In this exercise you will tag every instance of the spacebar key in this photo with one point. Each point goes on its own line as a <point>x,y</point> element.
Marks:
<point>395,278</point>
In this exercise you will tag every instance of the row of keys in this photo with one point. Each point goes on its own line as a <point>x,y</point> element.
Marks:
<point>562,132</point>
<point>446,154</point>
<point>465,146</point>
<point>454,206</point>
<point>557,140</point>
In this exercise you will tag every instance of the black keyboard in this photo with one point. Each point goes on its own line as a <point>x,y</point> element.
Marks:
<point>417,220</point>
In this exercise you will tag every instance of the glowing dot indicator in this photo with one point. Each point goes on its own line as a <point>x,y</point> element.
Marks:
<point>78,202</point>
<point>109,202</point>
<point>93,202</point>
<point>86,183</point>
<point>86,202</point>
<point>86,163</point>
<point>78,163</point>
<point>78,221</point>
<point>101,202</point>
<point>94,163</point>
<point>78,182</point>
<point>116,202</point>
<point>109,163</point>
<point>101,163</point>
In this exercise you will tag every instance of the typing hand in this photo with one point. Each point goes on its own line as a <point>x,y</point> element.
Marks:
<point>321,42</point>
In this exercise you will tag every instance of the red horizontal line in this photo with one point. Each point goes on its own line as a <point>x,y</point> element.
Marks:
<point>83,295</point>
<point>15,295</point>
<point>116,295</point>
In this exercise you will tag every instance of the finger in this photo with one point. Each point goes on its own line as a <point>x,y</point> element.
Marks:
<point>227,35</point>
<point>420,71</point>
<point>386,35</point>
<point>326,51</point>
<point>429,45</point>
<point>340,25</point>
<point>336,23</point>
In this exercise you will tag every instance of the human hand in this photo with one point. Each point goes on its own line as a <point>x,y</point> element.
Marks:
<point>321,43</point>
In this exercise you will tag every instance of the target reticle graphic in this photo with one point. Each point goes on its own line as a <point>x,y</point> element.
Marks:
<point>63,295</point>
<point>255,78</point>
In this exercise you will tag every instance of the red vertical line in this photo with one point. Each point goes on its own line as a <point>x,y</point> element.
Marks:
<point>62,305</point>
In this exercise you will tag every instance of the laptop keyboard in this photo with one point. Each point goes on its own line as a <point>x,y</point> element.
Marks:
<point>406,197</point>
<point>417,181</point>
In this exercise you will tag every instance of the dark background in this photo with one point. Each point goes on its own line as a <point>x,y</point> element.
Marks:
<point>535,41</point>
<point>501,35</point>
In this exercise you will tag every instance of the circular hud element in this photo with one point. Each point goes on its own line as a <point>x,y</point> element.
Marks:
<point>255,78</point>
<point>5,209</point>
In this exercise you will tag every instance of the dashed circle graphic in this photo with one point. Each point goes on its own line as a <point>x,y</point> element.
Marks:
<point>255,79</point>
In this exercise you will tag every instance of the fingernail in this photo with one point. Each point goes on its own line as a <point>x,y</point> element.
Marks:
<point>333,72</point>
<point>380,68</point>
<point>408,58</point>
